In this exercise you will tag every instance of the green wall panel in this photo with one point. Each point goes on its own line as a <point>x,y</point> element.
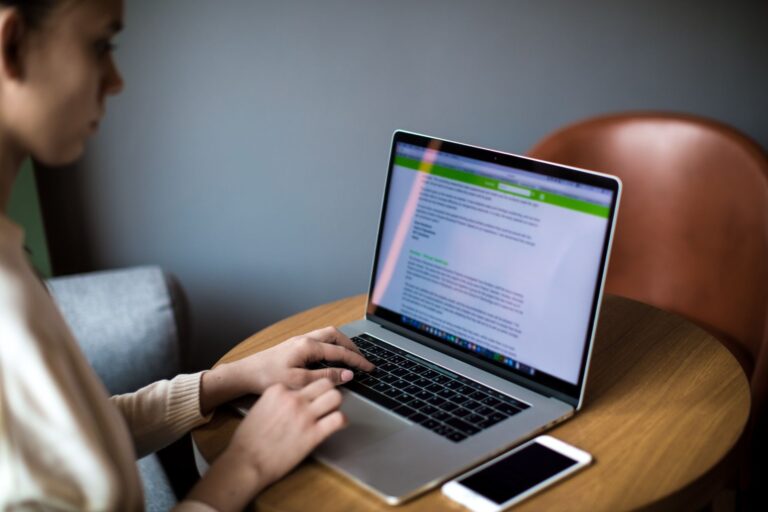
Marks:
<point>24,208</point>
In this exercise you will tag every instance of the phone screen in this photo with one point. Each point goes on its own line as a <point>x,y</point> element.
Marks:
<point>517,472</point>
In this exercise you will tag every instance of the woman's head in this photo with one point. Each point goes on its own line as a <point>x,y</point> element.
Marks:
<point>56,71</point>
<point>32,11</point>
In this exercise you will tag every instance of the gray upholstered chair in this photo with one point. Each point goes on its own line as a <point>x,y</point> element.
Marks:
<point>128,323</point>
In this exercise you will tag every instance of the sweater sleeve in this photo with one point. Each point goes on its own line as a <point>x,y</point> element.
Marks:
<point>162,412</point>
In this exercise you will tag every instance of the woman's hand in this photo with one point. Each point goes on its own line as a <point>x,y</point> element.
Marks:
<point>282,428</point>
<point>286,364</point>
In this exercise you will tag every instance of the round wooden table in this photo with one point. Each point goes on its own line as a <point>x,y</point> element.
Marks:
<point>665,404</point>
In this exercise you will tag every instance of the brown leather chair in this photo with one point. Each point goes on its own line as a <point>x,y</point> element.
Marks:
<point>692,231</point>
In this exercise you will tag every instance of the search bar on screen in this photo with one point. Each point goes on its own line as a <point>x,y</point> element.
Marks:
<point>515,190</point>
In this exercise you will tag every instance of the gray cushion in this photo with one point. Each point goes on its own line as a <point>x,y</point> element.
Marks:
<point>125,323</point>
<point>158,495</point>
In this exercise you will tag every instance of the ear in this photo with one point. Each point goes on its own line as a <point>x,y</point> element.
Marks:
<point>12,31</point>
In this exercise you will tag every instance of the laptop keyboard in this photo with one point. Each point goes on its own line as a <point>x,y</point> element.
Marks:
<point>449,405</point>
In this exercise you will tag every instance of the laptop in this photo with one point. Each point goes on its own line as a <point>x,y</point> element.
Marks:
<point>484,296</point>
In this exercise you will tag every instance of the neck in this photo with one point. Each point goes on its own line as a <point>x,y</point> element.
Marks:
<point>11,158</point>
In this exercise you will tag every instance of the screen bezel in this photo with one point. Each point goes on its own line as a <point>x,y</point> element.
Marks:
<point>541,382</point>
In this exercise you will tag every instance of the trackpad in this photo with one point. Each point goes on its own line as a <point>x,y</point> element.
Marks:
<point>367,425</point>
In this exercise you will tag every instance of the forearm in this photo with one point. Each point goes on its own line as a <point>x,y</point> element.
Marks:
<point>230,483</point>
<point>162,412</point>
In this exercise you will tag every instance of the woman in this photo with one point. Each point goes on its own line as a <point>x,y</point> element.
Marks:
<point>64,444</point>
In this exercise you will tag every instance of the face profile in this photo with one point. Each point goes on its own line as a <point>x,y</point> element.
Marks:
<point>58,75</point>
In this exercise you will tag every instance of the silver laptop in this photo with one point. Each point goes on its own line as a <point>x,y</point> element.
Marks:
<point>485,291</point>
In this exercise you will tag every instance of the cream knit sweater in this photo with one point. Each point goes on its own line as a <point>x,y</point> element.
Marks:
<point>64,444</point>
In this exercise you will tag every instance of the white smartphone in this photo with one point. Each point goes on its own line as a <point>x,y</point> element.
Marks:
<point>517,474</point>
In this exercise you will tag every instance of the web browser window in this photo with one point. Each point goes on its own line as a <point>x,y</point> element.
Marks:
<point>497,260</point>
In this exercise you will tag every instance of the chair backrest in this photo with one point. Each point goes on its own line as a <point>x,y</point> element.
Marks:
<point>692,230</point>
<point>127,323</point>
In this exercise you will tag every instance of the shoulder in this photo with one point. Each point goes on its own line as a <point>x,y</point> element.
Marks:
<point>25,305</point>
<point>13,267</point>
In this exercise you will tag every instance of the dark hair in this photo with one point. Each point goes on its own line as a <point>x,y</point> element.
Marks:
<point>32,11</point>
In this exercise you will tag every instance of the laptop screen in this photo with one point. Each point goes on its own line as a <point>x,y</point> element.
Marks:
<point>497,257</point>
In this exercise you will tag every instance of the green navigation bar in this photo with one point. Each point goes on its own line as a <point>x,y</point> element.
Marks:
<point>501,186</point>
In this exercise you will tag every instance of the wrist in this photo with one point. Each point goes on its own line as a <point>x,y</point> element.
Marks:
<point>230,483</point>
<point>238,463</point>
<point>218,386</point>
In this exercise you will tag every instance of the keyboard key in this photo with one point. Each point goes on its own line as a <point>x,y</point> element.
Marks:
<point>447,394</point>
<point>460,399</point>
<point>400,372</point>
<point>381,387</point>
<point>405,411</point>
<point>423,395</point>
<point>417,404</point>
<point>474,419</point>
<point>462,426</point>
<point>487,423</point>
<point>434,388</point>
<point>469,404</point>
<point>497,416</point>
<point>461,412</point>
<point>422,382</point>
<point>377,373</point>
<point>389,378</point>
<point>429,410</point>
<point>412,389</point>
<point>441,379</point>
<point>403,398</point>
<point>478,395</point>
<point>401,384</point>
<point>491,401</point>
<point>449,406</point>
<point>418,418</point>
<point>411,377</point>
<point>394,393</point>
<point>387,367</point>
<point>435,400</point>
<point>442,430</point>
<point>457,436</point>
<point>441,415</point>
<point>485,411</point>
<point>508,409</point>
<point>368,383</point>
<point>372,395</point>
<point>430,424</point>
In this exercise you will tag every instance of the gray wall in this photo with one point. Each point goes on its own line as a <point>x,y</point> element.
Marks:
<point>248,152</point>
